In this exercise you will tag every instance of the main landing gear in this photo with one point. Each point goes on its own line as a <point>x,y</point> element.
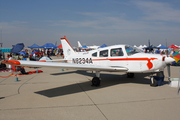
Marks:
<point>130,75</point>
<point>96,80</point>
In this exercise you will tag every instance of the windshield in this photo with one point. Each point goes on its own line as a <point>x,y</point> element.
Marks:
<point>131,50</point>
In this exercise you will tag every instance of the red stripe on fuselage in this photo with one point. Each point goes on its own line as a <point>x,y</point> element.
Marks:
<point>149,64</point>
<point>125,59</point>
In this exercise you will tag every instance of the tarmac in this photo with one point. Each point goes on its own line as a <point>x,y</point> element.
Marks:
<point>68,95</point>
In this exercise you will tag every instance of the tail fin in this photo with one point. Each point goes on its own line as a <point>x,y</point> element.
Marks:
<point>67,48</point>
<point>79,44</point>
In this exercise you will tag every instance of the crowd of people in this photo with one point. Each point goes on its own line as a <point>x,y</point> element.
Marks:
<point>35,54</point>
<point>30,55</point>
<point>157,51</point>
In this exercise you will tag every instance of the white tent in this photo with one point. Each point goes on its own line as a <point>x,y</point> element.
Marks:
<point>144,46</point>
<point>140,47</point>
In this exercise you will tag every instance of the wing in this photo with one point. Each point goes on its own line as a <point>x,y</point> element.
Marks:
<point>65,65</point>
<point>55,60</point>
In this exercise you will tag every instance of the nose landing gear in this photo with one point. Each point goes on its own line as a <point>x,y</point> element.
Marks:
<point>153,82</point>
<point>157,80</point>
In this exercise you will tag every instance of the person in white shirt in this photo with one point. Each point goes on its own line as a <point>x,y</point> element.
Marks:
<point>10,67</point>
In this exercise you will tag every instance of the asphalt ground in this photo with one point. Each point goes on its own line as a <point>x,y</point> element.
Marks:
<point>68,95</point>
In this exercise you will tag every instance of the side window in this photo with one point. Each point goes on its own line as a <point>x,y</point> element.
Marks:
<point>94,54</point>
<point>103,53</point>
<point>131,50</point>
<point>117,52</point>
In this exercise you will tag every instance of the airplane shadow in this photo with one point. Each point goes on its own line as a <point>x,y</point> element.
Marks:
<point>107,80</point>
<point>63,73</point>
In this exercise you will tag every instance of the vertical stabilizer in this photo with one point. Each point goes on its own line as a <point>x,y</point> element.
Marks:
<point>67,48</point>
<point>79,44</point>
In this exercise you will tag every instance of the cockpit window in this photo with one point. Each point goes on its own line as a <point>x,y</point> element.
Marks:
<point>131,50</point>
<point>94,54</point>
<point>103,53</point>
<point>116,52</point>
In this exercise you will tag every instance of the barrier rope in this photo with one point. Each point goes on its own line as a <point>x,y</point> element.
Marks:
<point>8,75</point>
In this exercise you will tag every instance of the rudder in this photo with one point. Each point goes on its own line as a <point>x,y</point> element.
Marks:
<point>67,48</point>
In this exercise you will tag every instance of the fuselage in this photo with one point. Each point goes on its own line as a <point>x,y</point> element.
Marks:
<point>120,56</point>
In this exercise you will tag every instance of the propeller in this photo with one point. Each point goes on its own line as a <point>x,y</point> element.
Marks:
<point>178,83</point>
<point>169,72</point>
<point>168,61</point>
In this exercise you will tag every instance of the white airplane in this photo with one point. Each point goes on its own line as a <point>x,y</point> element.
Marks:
<point>89,47</point>
<point>116,58</point>
<point>79,44</point>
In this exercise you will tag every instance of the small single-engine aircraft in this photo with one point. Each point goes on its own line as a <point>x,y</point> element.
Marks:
<point>89,47</point>
<point>116,58</point>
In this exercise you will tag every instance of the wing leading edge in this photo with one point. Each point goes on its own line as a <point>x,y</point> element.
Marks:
<point>65,65</point>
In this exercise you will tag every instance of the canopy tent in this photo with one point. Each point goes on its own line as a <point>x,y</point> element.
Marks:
<point>144,45</point>
<point>174,47</point>
<point>17,48</point>
<point>36,52</point>
<point>102,46</point>
<point>141,46</point>
<point>84,47</point>
<point>162,47</point>
<point>49,46</point>
<point>22,53</point>
<point>34,46</point>
<point>60,46</point>
<point>135,46</point>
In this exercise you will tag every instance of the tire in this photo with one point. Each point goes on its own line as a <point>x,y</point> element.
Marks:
<point>153,82</point>
<point>130,75</point>
<point>96,81</point>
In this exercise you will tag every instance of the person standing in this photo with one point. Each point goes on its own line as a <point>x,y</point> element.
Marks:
<point>158,51</point>
<point>10,67</point>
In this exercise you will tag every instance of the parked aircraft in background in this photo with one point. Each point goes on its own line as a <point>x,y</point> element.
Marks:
<point>116,58</point>
<point>79,44</point>
<point>93,47</point>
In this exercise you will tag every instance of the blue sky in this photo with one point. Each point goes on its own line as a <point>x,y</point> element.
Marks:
<point>90,22</point>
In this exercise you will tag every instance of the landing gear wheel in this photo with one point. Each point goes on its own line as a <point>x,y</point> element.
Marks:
<point>130,75</point>
<point>96,81</point>
<point>153,82</point>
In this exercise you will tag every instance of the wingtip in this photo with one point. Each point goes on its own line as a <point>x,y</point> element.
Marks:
<point>12,62</point>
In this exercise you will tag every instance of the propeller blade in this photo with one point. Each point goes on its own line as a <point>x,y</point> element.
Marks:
<point>178,83</point>
<point>169,72</point>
